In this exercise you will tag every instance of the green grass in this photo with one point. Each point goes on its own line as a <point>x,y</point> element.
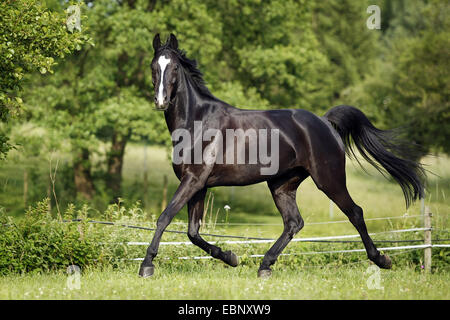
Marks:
<point>211,280</point>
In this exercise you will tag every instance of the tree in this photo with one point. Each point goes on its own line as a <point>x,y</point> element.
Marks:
<point>270,46</point>
<point>422,80</point>
<point>103,94</point>
<point>31,37</point>
<point>350,47</point>
<point>409,84</point>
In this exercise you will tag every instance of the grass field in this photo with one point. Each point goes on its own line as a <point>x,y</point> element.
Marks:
<point>208,279</point>
<point>214,281</point>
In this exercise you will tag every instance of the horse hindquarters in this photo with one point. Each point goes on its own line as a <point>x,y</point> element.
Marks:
<point>327,169</point>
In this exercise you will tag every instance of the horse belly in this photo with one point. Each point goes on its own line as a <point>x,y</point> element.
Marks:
<point>238,175</point>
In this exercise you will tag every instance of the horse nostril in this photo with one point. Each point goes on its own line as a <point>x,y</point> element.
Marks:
<point>156,99</point>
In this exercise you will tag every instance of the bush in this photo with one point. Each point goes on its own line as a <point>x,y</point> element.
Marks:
<point>39,242</point>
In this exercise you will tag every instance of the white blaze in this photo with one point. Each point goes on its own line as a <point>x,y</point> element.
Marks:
<point>163,62</point>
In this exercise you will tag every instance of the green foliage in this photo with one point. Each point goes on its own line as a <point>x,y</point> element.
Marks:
<point>348,44</point>
<point>40,243</point>
<point>408,85</point>
<point>31,38</point>
<point>103,94</point>
<point>422,87</point>
<point>276,55</point>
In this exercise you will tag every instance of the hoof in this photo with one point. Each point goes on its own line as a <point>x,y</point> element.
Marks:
<point>386,262</point>
<point>146,271</point>
<point>383,262</point>
<point>232,259</point>
<point>264,273</point>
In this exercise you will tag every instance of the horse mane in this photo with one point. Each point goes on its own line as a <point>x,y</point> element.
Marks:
<point>190,65</point>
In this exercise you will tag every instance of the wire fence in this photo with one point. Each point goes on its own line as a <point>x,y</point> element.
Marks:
<point>259,240</point>
<point>416,247</point>
<point>233,224</point>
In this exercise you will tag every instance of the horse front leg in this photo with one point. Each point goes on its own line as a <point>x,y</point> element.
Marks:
<point>188,187</point>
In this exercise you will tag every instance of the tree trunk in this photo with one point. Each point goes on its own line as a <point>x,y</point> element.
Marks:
<point>115,164</point>
<point>82,174</point>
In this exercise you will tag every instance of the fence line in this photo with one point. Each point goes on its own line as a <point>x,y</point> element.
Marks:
<point>277,224</point>
<point>254,240</point>
<point>427,247</point>
<point>415,247</point>
<point>135,243</point>
<point>153,229</point>
<point>310,223</point>
<point>234,224</point>
<point>440,245</point>
<point>206,234</point>
<point>313,239</point>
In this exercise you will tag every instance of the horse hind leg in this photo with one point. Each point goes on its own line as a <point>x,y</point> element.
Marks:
<point>195,211</point>
<point>333,184</point>
<point>284,195</point>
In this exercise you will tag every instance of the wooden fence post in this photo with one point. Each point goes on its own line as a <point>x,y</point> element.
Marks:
<point>427,251</point>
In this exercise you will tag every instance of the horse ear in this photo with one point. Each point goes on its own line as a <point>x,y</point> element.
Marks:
<point>173,42</point>
<point>156,42</point>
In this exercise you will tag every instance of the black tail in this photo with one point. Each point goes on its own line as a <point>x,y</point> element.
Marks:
<point>380,147</point>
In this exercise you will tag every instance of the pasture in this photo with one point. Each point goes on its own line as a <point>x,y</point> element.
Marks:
<point>211,280</point>
<point>325,276</point>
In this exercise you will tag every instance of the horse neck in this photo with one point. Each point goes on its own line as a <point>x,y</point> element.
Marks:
<point>180,114</point>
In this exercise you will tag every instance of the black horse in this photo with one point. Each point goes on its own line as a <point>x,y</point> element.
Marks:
<point>308,145</point>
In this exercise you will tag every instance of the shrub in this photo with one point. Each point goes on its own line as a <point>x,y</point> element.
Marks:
<point>39,242</point>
